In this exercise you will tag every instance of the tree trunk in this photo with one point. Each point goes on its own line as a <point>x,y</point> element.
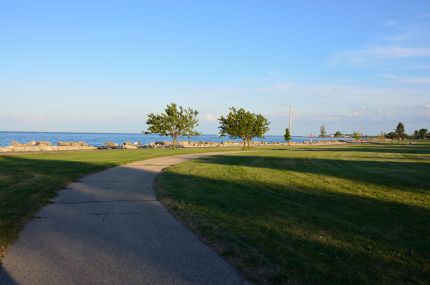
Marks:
<point>174,141</point>
<point>244,143</point>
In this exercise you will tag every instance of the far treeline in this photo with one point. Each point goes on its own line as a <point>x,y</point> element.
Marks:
<point>399,133</point>
<point>177,121</point>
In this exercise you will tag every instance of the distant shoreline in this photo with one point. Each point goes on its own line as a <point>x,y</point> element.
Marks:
<point>115,133</point>
<point>99,139</point>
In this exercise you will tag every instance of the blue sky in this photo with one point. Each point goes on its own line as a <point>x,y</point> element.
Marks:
<point>102,66</point>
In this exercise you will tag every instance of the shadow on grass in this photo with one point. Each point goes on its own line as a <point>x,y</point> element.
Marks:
<point>27,184</point>
<point>6,279</point>
<point>308,237</point>
<point>108,228</point>
<point>408,176</point>
<point>396,148</point>
<point>281,235</point>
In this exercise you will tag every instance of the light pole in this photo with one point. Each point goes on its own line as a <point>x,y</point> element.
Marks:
<point>289,122</point>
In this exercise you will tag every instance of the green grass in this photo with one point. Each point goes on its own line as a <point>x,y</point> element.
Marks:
<point>29,181</point>
<point>312,215</point>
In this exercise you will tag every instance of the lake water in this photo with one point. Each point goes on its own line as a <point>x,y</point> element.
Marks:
<point>98,139</point>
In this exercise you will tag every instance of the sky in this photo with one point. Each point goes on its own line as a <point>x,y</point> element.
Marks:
<point>102,66</point>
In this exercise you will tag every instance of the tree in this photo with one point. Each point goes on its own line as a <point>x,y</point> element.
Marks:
<point>287,135</point>
<point>323,133</point>
<point>390,135</point>
<point>422,133</point>
<point>243,124</point>
<point>400,131</point>
<point>356,135</point>
<point>175,121</point>
<point>338,134</point>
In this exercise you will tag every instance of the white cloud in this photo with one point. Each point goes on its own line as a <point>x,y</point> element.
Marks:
<point>403,39</point>
<point>407,79</point>
<point>418,67</point>
<point>366,55</point>
<point>370,119</point>
<point>211,117</point>
<point>324,93</point>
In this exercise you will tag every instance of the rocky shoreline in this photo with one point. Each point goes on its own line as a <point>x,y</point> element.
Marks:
<point>38,146</point>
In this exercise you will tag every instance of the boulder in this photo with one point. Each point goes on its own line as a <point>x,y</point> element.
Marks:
<point>18,144</point>
<point>79,143</point>
<point>63,143</point>
<point>111,144</point>
<point>43,143</point>
<point>130,145</point>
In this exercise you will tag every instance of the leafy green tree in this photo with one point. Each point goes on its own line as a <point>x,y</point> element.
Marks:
<point>356,135</point>
<point>400,131</point>
<point>422,133</point>
<point>243,124</point>
<point>287,135</point>
<point>338,134</point>
<point>390,135</point>
<point>323,132</point>
<point>174,122</point>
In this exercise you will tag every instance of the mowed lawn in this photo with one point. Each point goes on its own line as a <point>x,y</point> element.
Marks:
<point>29,181</point>
<point>312,215</point>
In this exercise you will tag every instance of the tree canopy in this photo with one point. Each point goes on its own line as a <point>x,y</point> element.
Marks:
<point>243,124</point>
<point>400,131</point>
<point>175,121</point>
<point>323,132</point>
<point>422,133</point>
<point>287,135</point>
<point>390,135</point>
<point>338,134</point>
<point>356,135</point>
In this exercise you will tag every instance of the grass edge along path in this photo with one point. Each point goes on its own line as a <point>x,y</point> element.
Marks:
<point>317,215</point>
<point>28,181</point>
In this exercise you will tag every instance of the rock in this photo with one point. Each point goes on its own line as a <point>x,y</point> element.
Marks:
<point>43,143</point>
<point>79,143</point>
<point>129,145</point>
<point>18,144</point>
<point>111,145</point>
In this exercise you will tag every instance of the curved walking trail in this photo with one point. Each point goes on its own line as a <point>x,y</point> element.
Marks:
<point>109,228</point>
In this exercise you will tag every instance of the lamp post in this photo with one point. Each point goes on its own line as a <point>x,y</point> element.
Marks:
<point>289,121</point>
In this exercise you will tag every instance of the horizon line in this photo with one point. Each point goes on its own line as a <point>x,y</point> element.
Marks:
<point>130,133</point>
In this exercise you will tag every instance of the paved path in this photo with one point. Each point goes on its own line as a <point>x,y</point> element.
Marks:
<point>109,228</point>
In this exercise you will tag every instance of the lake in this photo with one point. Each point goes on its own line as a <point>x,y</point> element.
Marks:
<point>98,139</point>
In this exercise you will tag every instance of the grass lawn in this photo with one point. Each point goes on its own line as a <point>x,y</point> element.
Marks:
<point>318,215</point>
<point>29,181</point>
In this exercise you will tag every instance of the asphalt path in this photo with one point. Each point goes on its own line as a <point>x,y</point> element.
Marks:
<point>109,228</point>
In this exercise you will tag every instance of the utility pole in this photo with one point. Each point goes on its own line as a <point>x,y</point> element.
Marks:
<point>289,122</point>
